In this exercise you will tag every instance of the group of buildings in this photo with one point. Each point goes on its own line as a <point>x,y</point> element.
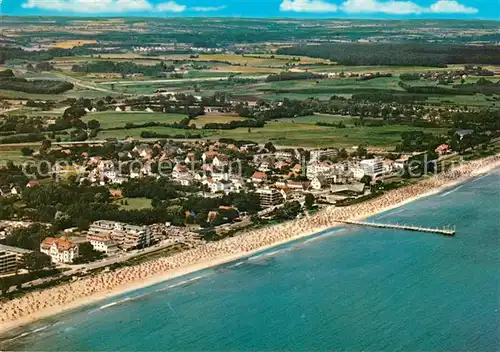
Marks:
<point>111,236</point>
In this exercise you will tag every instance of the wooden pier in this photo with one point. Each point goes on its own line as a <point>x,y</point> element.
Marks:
<point>443,231</point>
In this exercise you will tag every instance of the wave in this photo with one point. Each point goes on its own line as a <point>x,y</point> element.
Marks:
<point>313,239</point>
<point>256,257</point>
<point>117,302</point>
<point>453,190</point>
<point>182,283</point>
<point>479,178</point>
<point>41,329</point>
<point>237,264</point>
<point>24,334</point>
<point>391,213</point>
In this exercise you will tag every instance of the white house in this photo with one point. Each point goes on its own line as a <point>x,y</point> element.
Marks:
<point>220,161</point>
<point>220,176</point>
<point>320,182</point>
<point>216,186</point>
<point>60,250</point>
<point>180,171</point>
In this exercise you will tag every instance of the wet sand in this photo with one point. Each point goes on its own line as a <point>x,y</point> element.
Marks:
<point>44,303</point>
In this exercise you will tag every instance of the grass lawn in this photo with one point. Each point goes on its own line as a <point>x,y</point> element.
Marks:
<point>109,119</point>
<point>135,203</point>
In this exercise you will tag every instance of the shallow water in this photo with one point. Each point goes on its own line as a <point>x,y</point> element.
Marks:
<point>355,289</point>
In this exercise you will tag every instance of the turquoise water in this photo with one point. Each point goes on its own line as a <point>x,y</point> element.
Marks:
<point>348,289</point>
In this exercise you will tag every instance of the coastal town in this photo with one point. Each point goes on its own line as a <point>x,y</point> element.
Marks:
<point>270,183</point>
<point>133,152</point>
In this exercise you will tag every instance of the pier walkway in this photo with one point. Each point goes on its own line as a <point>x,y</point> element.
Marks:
<point>443,231</point>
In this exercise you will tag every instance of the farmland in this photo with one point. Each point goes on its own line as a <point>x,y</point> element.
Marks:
<point>205,59</point>
<point>215,118</point>
<point>120,119</point>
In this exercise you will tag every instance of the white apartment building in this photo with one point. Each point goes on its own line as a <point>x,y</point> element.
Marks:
<point>10,257</point>
<point>317,154</point>
<point>125,235</point>
<point>372,167</point>
<point>269,197</point>
<point>103,243</point>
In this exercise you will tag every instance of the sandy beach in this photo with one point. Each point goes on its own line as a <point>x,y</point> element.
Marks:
<point>44,303</point>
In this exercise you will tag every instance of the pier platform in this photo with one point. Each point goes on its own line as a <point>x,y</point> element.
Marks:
<point>443,231</point>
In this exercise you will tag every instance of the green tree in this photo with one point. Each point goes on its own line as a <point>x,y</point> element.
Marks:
<point>94,124</point>
<point>36,261</point>
<point>27,151</point>
<point>367,180</point>
<point>87,254</point>
<point>309,201</point>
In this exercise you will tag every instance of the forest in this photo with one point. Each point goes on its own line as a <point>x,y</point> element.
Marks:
<point>10,82</point>
<point>398,54</point>
<point>124,68</point>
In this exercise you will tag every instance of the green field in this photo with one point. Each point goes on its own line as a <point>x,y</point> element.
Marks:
<point>136,132</point>
<point>134,203</point>
<point>306,134</point>
<point>110,119</point>
<point>301,131</point>
<point>13,155</point>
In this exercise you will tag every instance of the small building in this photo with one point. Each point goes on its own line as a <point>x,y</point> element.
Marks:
<point>103,243</point>
<point>442,149</point>
<point>320,182</point>
<point>209,155</point>
<point>259,177</point>
<point>463,133</point>
<point>298,185</point>
<point>220,160</point>
<point>33,184</point>
<point>60,250</point>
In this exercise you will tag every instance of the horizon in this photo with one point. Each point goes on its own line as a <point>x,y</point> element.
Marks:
<point>270,9</point>
<point>153,16</point>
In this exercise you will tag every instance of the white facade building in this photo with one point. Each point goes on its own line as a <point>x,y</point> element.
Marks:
<point>372,167</point>
<point>60,250</point>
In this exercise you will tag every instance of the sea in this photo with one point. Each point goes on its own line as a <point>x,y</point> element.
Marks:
<point>348,288</point>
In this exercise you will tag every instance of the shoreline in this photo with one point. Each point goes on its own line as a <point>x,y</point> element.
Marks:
<point>217,253</point>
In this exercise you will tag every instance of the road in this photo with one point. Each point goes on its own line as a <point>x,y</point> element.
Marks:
<point>74,269</point>
<point>88,85</point>
<point>180,80</point>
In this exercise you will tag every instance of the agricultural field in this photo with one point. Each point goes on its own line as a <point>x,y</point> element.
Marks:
<point>14,155</point>
<point>306,134</point>
<point>136,132</point>
<point>69,44</point>
<point>112,119</point>
<point>201,121</point>
<point>297,132</point>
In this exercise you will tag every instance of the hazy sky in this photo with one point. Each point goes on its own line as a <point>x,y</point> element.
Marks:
<point>485,9</point>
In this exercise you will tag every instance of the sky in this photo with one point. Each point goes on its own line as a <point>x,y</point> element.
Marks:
<point>376,9</point>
